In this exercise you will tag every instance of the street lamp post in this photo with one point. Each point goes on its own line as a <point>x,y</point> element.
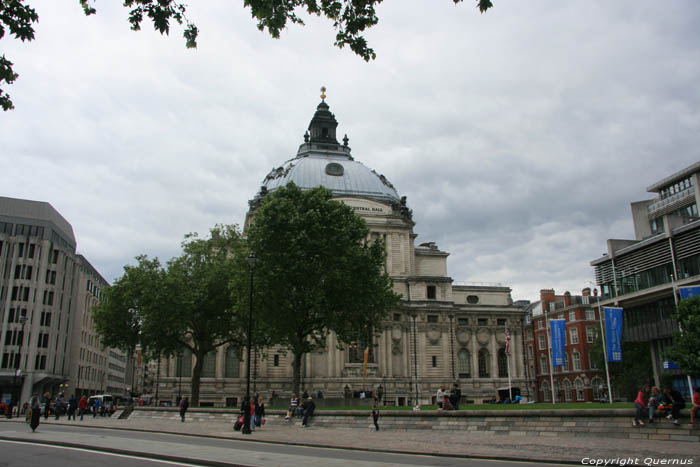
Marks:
<point>179,372</point>
<point>15,398</point>
<point>246,402</point>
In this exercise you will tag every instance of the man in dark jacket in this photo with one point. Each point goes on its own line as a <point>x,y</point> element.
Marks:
<point>309,408</point>
<point>455,395</point>
<point>675,399</point>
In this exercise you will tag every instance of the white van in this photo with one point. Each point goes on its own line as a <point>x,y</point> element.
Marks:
<point>106,401</point>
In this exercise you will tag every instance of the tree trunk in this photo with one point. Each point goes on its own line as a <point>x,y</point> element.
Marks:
<point>296,373</point>
<point>196,376</point>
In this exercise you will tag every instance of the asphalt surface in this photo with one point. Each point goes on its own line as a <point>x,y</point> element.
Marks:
<point>434,443</point>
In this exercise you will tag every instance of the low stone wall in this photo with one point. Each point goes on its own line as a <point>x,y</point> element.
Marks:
<point>551,423</point>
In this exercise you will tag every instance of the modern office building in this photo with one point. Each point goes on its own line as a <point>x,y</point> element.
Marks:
<point>47,292</point>
<point>578,380</point>
<point>441,332</point>
<point>642,275</point>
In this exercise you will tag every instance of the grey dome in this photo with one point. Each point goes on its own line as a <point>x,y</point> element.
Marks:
<point>337,172</point>
<point>323,161</point>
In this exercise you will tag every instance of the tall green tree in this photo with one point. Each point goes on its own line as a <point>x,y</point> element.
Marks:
<point>632,373</point>
<point>317,272</point>
<point>188,304</point>
<point>350,19</point>
<point>685,351</point>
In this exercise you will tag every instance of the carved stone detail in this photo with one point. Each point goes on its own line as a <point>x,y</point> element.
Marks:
<point>463,337</point>
<point>483,336</point>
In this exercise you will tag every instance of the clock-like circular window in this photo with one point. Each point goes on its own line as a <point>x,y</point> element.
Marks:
<point>334,169</point>
<point>473,299</point>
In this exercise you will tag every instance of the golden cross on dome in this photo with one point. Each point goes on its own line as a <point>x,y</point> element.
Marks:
<point>323,93</point>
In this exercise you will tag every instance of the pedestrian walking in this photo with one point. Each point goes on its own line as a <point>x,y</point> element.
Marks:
<point>259,412</point>
<point>47,405</point>
<point>82,406</point>
<point>375,416</point>
<point>640,403</point>
<point>455,396</point>
<point>184,405</point>
<point>34,412</point>
<point>72,407</point>
<point>309,406</point>
<point>95,407</point>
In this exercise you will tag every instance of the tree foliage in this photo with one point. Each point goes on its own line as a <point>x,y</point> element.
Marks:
<point>187,304</point>
<point>318,272</point>
<point>350,19</point>
<point>685,351</point>
<point>632,373</point>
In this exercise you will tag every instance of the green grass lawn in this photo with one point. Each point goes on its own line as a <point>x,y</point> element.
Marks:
<point>559,406</point>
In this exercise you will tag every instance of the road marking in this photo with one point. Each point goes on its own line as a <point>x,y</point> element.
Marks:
<point>102,453</point>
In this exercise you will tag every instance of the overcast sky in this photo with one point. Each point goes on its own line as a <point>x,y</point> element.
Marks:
<point>519,136</point>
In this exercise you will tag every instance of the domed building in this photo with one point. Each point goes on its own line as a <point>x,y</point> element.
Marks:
<point>441,333</point>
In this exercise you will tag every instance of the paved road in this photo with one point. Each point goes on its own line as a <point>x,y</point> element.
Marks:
<point>457,443</point>
<point>196,450</point>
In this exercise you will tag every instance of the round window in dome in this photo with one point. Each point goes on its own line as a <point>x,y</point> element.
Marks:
<point>335,169</point>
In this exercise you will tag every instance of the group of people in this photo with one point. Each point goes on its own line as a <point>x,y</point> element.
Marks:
<point>670,403</point>
<point>448,400</point>
<point>304,410</point>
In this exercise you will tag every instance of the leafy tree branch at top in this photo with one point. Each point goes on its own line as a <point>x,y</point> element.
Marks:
<point>350,19</point>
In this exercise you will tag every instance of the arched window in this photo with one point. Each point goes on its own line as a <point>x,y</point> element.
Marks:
<point>484,364</point>
<point>183,364</point>
<point>464,362</point>
<point>209,365</point>
<point>567,389</point>
<point>546,393</point>
<point>502,364</point>
<point>544,366</point>
<point>578,384</point>
<point>233,363</point>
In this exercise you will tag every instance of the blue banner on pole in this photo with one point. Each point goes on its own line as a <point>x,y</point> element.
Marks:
<point>613,333</point>
<point>688,292</point>
<point>557,329</point>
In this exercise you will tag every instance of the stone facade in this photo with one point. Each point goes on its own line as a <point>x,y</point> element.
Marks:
<point>47,292</point>
<point>440,333</point>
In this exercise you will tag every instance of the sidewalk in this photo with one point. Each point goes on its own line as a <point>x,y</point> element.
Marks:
<point>562,449</point>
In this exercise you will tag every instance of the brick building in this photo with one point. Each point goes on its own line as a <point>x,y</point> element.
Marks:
<point>578,380</point>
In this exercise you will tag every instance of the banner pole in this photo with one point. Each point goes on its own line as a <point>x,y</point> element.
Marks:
<point>510,388</point>
<point>605,349</point>
<point>551,363</point>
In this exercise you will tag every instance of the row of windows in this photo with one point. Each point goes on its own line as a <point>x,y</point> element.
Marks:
<point>573,364</point>
<point>677,187</point>
<point>20,293</point>
<point>591,336</point>
<point>460,321</point>
<point>14,337</point>
<point>12,360</point>
<point>569,316</point>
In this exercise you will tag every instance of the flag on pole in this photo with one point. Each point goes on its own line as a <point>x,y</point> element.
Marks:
<point>613,333</point>
<point>558,340</point>
<point>507,341</point>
